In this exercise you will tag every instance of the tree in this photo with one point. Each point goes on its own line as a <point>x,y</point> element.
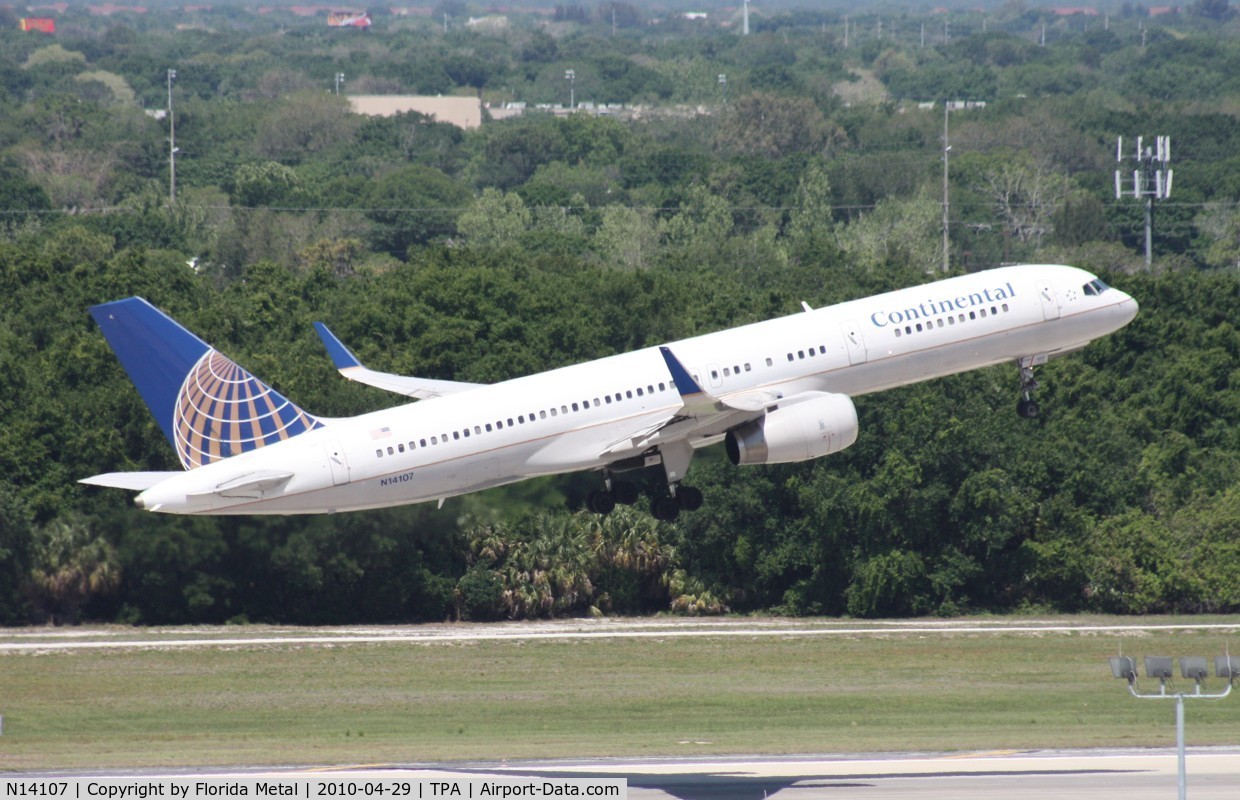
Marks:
<point>71,566</point>
<point>1026,197</point>
<point>775,126</point>
<point>496,219</point>
<point>413,205</point>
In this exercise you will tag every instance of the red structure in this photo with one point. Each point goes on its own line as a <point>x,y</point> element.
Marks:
<point>40,24</point>
<point>349,19</point>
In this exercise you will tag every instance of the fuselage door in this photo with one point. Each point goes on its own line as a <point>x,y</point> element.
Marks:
<point>337,462</point>
<point>854,342</point>
<point>1049,300</point>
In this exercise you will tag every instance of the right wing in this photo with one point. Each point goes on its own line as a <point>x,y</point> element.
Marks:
<point>351,368</point>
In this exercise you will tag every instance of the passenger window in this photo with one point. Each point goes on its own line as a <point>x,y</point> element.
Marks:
<point>456,435</point>
<point>400,448</point>
<point>575,407</point>
<point>972,315</point>
<point>553,412</point>
<point>898,332</point>
<point>727,372</point>
<point>478,429</point>
<point>1005,308</point>
<point>543,414</point>
<point>662,387</point>
<point>379,454</point>
<point>649,390</point>
<point>434,440</point>
<point>919,327</point>
<point>770,363</point>
<point>422,442</point>
<point>629,394</point>
<point>791,357</point>
<point>747,367</point>
<point>983,313</point>
<point>489,427</point>
<point>800,354</point>
<point>607,399</point>
<point>466,432</point>
<point>391,451</point>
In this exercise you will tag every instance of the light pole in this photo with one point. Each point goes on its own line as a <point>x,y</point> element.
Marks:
<point>339,80</point>
<point>723,84</point>
<point>172,144</point>
<point>571,76</point>
<point>1192,668</point>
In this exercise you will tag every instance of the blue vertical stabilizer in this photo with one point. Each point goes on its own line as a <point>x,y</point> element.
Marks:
<point>208,406</point>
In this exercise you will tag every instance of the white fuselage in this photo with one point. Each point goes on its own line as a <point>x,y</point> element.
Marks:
<point>583,417</point>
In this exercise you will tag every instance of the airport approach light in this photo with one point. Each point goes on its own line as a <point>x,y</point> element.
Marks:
<point>1193,668</point>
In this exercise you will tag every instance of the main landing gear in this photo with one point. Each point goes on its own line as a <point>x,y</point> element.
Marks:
<point>664,508</point>
<point>1027,407</point>
<point>615,492</point>
<point>675,457</point>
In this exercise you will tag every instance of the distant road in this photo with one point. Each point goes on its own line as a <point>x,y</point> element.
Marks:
<point>60,639</point>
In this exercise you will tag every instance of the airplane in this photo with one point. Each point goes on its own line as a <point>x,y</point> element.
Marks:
<point>773,392</point>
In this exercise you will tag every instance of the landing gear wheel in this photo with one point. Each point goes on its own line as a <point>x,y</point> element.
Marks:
<point>624,492</point>
<point>601,502</point>
<point>1027,407</point>
<point>689,498</point>
<point>665,509</point>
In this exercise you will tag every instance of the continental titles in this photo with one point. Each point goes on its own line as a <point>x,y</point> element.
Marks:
<point>930,309</point>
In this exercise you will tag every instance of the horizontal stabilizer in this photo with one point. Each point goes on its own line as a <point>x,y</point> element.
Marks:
<point>350,367</point>
<point>135,481</point>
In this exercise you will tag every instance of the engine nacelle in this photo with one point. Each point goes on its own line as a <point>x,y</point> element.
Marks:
<point>806,426</point>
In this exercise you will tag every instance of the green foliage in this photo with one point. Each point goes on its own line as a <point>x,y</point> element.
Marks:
<point>551,239</point>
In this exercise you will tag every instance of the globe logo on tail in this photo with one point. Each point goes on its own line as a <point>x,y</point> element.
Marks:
<point>222,410</point>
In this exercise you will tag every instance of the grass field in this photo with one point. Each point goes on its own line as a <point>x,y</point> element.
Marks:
<point>401,702</point>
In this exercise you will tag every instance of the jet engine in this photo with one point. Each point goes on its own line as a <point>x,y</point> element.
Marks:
<point>805,426</point>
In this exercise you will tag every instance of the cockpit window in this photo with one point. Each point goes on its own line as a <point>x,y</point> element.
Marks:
<point>1095,287</point>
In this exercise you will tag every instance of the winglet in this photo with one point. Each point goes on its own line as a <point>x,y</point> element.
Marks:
<point>352,368</point>
<point>341,356</point>
<point>680,376</point>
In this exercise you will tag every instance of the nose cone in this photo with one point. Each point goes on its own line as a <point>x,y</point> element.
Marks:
<point>1127,310</point>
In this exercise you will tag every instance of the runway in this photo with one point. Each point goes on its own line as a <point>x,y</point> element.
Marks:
<point>126,638</point>
<point>1214,774</point>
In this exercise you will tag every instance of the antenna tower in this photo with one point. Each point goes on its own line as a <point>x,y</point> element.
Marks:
<point>1149,181</point>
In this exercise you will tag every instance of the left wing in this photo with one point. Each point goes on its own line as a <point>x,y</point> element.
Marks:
<point>700,417</point>
<point>351,368</point>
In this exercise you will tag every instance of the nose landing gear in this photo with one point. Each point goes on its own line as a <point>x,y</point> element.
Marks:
<point>1027,407</point>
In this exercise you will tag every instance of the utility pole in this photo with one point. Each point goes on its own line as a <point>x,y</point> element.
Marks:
<point>1151,180</point>
<point>172,144</point>
<point>339,80</point>
<point>745,20</point>
<point>946,148</point>
<point>570,75</point>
